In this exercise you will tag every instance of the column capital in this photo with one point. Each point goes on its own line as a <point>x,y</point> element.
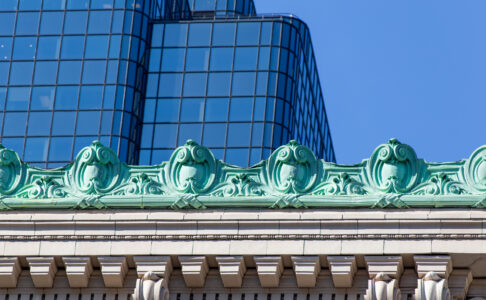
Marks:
<point>159,265</point>
<point>194,270</point>
<point>232,269</point>
<point>343,269</point>
<point>78,270</point>
<point>42,271</point>
<point>269,269</point>
<point>114,269</point>
<point>306,270</point>
<point>9,272</point>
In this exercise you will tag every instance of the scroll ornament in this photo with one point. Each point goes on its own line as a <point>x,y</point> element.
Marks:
<point>151,287</point>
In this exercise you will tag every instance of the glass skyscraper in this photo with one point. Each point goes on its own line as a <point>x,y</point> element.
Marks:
<point>143,76</point>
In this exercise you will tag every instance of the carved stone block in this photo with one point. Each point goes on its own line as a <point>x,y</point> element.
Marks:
<point>269,269</point>
<point>343,269</point>
<point>42,271</point>
<point>194,270</point>
<point>306,269</point>
<point>232,269</point>
<point>9,272</point>
<point>114,269</point>
<point>78,271</point>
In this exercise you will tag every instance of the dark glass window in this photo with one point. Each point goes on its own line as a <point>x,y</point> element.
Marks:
<point>91,97</point>
<point>14,123</point>
<point>241,109</point>
<point>221,59</point>
<point>88,122</point>
<point>45,72</point>
<point>189,132</point>
<point>61,149</point>
<point>36,149</point>
<point>165,135</point>
<point>243,83</point>
<point>170,85</point>
<point>69,72</point>
<point>192,110</point>
<point>96,46</point>
<point>72,47</point>
<point>5,48</point>
<point>99,22</point>
<point>21,73</point>
<point>214,135</point>
<point>24,48</point>
<point>194,85</point>
<point>175,35</point>
<point>51,22</point>
<point>8,5</point>
<point>67,97</point>
<point>18,98</point>
<point>167,110</point>
<point>173,60</point>
<point>63,123</point>
<point>75,22</point>
<point>246,58</point>
<point>39,123</point>
<point>219,84</point>
<point>248,33</point>
<point>197,59</point>
<point>216,109</point>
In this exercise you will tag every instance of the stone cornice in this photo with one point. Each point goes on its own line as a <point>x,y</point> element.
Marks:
<point>291,178</point>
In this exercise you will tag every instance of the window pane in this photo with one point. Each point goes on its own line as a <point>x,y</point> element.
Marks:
<point>51,22</point>
<point>96,46</point>
<point>69,72</point>
<point>75,21</point>
<point>221,59</point>
<point>18,98</point>
<point>175,35</point>
<point>173,60</point>
<point>239,134</point>
<point>5,48</point>
<point>45,72</point>
<point>237,157</point>
<point>21,73</point>
<point>103,4</point>
<point>61,149</point>
<point>197,59</point>
<point>72,47</point>
<point>192,110</point>
<point>91,97</point>
<point>99,21</point>
<point>63,123</point>
<point>195,85</point>
<point>167,110</point>
<point>36,149</point>
<point>7,23</point>
<point>8,5</point>
<point>243,83</point>
<point>219,84</point>
<point>88,122</point>
<point>94,71</point>
<point>28,22</point>
<point>15,144</point>
<point>165,135</point>
<point>42,98</point>
<point>224,34</point>
<point>39,123</point>
<point>189,132</point>
<point>48,47</point>
<point>246,58</point>
<point>199,34</point>
<point>248,33</point>
<point>214,135</point>
<point>170,85</point>
<point>216,109</point>
<point>77,4</point>
<point>14,124</point>
<point>24,48</point>
<point>240,109</point>
<point>67,97</point>
<point>204,5</point>
<point>54,5</point>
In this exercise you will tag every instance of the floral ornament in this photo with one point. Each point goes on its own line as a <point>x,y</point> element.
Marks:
<point>475,170</point>
<point>140,184</point>
<point>293,169</point>
<point>393,167</point>
<point>11,171</point>
<point>342,184</point>
<point>191,169</point>
<point>42,188</point>
<point>240,185</point>
<point>96,169</point>
<point>440,184</point>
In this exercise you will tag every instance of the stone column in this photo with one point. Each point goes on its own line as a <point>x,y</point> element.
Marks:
<point>384,273</point>
<point>433,273</point>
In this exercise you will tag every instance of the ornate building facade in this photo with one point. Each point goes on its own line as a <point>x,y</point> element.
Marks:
<point>291,228</point>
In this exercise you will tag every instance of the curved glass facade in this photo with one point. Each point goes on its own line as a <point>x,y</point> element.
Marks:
<point>145,76</point>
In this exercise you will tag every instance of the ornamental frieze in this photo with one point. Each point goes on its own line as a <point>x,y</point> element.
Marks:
<point>292,177</point>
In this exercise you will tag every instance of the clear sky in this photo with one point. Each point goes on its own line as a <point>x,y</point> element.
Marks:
<point>410,69</point>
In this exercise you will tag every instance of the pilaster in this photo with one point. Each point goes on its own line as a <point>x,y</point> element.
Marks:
<point>194,270</point>
<point>232,269</point>
<point>269,269</point>
<point>78,271</point>
<point>306,270</point>
<point>343,269</point>
<point>114,269</point>
<point>42,271</point>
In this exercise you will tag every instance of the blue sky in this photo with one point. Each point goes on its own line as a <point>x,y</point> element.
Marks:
<point>414,70</point>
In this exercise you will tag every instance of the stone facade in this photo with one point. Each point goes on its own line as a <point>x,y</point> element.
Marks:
<point>238,254</point>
